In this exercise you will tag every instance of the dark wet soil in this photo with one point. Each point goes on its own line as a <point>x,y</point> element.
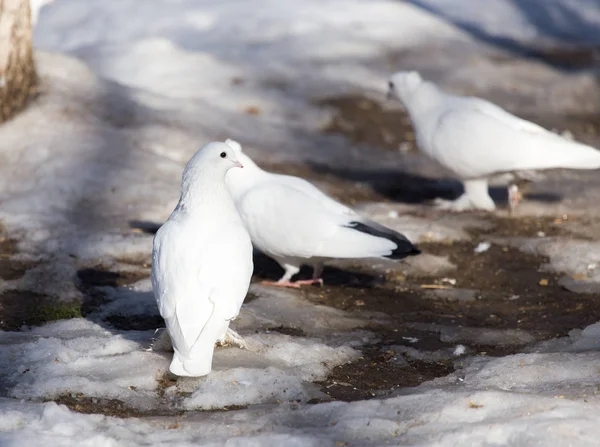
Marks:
<point>109,407</point>
<point>379,372</point>
<point>364,121</point>
<point>90,282</point>
<point>17,308</point>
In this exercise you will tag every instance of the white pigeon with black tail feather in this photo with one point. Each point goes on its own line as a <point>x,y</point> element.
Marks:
<point>477,140</point>
<point>202,262</point>
<point>293,222</point>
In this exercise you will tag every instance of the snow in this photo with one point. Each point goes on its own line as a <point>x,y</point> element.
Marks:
<point>129,90</point>
<point>91,358</point>
<point>573,257</point>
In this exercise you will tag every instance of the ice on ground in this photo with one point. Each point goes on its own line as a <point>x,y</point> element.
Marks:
<point>276,308</point>
<point>463,295</point>
<point>78,356</point>
<point>90,359</point>
<point>577,258</point>
<point>549,374</point>
<point>448,228</point>
<point>578,340</point>
<point>570,256</point>
<point>433,418</point>
<point>476,335</point>
<point>282,370</point>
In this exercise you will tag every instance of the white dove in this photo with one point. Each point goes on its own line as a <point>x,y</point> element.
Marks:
<point>477,140</point>
<point>293,222</point>
<point>202,262</point>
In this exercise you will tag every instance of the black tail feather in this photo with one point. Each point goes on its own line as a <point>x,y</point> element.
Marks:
<point>403,248</point>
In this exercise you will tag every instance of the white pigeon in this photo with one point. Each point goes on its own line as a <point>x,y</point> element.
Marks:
<point>293,222</point>
<point>202,262</point>
<point>478,140</point>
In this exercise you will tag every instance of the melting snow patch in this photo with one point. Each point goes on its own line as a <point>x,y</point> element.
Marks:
<point>482,246</point>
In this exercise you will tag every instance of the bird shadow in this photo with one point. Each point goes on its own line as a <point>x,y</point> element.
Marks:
<point>266,268</point>
<point>145,226</point>
<point>410,188</point>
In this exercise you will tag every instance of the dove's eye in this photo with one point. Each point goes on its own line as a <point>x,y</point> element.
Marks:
<point>391,84</point>
<point>223,155</point>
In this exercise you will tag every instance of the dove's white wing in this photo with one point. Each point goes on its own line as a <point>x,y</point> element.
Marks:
<point>285,220</point>
<point>311,190</point>
<point>180,287</point>
<point>196,282</point>
<point>477,139</point>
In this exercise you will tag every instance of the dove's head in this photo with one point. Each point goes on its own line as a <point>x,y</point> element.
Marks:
<point>241,180</point>
<point>403,84</point>
<point>243,158</point>
<point>211,161</point>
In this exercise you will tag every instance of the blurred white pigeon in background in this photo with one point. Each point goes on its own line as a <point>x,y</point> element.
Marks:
<point>476,140</point>
<point>202,262</point>
<point>35,7</point>
<point>293,222</point>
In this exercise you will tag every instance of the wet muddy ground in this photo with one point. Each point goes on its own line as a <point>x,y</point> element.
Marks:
<point>501,288</point>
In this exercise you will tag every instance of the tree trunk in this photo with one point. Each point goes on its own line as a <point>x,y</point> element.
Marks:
<point>18,79</point>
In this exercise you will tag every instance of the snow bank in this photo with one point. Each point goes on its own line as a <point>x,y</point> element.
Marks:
<point>84,358</point>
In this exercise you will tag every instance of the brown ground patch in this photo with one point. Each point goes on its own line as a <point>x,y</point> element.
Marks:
<point>109,407</point>
<point>364,121</point>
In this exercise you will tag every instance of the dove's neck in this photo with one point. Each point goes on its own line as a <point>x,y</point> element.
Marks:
<point>424,101</point>
<point>207,191</point>
<point>239,181</point>
<point>424,107</point>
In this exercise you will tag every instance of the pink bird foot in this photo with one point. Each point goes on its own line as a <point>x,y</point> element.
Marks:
<point>294,284</point>
<point>288,284</point>
<point>310,282</point>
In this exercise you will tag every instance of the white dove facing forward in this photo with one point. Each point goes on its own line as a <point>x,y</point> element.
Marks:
<point>477,140</point>
<point>202,262</point>
<point>293,222</point>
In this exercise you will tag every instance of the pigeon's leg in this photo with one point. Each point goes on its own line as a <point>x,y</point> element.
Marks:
<point>479,195</point>
<point>284,281</point>
<point>514,197</point>
<point>475,197</point>
<point>316,277</point>
<point>232,338</point>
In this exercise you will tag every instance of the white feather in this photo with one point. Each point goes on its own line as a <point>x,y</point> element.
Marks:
<point>294,222</point>
<point>201,263</point>
<point>476,139</point>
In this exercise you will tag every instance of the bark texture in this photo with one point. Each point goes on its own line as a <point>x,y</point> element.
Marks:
<point>18,78</point>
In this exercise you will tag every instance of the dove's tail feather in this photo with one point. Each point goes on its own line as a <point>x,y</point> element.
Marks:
<point>403,248</point>
<point>190,368</point>
<point>557,152</point>
<point>368,239</point>
<point>198,359</point>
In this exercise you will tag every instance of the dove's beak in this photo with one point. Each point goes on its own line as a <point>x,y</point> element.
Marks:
<point>237,164</point>
<point>390,95</point>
